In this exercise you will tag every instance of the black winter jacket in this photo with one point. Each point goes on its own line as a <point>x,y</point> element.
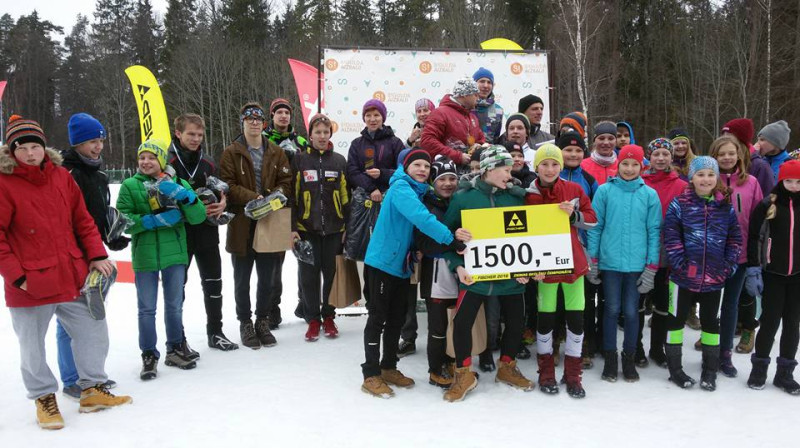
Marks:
<point>93,183</point>
<point>321,202</point>
<point>195,168</point>
<point>774,244</point>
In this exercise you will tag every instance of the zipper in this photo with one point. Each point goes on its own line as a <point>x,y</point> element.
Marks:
<point>705,245</point>
<point>321,196</point>
<point>791,237</point>
<point>491,203</point>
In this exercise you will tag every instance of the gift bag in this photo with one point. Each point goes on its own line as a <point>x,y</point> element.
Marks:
<point>274,232</point>
<point>478,332</point>
<point>362,219</point>
<point>346,288</point>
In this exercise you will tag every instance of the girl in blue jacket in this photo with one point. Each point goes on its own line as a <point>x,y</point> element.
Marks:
<point>625,247</point>
<point>387,269</point>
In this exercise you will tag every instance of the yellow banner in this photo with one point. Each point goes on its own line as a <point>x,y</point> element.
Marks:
<point>529,220</point>
<point>150,104</point>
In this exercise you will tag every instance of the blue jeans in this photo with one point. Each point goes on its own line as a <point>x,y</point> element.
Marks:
<point>730,307</point>
<point>66,363</point>
<point>147,295</point>
<point>620,294</point>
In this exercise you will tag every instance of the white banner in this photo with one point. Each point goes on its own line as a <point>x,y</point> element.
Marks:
<point>400,77</point>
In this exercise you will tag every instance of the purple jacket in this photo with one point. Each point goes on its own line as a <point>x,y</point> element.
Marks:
<point>702,240</point>
<point>379,152</point>
<point>760,169</point>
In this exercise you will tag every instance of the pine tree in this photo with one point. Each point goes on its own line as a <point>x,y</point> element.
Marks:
<point>246,21</point>
<point>146,38</point>
<point>179,24</point>
<point>74,81</point>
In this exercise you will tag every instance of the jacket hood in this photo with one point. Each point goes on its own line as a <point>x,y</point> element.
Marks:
<point>8,162</point>
<point>473,181</point>
<point>630,130</point>
<point>72,159</point>
<point>448,101</point>
<point>401,176</point>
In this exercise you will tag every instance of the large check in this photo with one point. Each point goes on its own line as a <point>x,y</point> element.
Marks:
<point>511,242</point>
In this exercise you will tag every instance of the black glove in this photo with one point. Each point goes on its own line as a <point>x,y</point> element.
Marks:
<point>119,243</point>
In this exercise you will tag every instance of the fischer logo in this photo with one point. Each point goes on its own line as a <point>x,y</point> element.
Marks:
<point>516,68</point>
<point>147,119</point>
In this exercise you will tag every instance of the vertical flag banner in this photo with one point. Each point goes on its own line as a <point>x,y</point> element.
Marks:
<point>2,121</point>
<point>150,104</point>
<point>309,85</point>
<point>2,89</point>
<point>499,43</point>
<point>400,77</point>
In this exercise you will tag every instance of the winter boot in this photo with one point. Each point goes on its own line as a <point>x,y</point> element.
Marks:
<point>248,335</point>
<point>610,366</point>
<point>177,359</point>
<point>396,378</point>
<point>726,364</point>
<point>298,310</point>
<point>528,337</point>
<point>658,335</point>
<point>442,378</point>
<point>509,373</point>
<point>72,392</point>
<point>783,376</point>
<point>758,375</point>
<point>658,357</point>
<point>149,366</point>
<point>640,358</point>
<point>674,353</point>
<point>263,334</point>
<point>275,318</point>
<point>629,367</point>
<point>329,327</point>
<point>586,357</point>
<point>572,376</point>
<point>486,361</point>
<point>376,387</point>
<point>746,342</point>
<point>406,348</point>
<point>313,331</point>
<point>692,320</point>
<point>47,414</point>
<point>98,398</point>
<point>708,378</point>
<point>547,374</point>
<point>219,341</point>
<point>187,351</point>
<point>463,382</point>
<point>523,352</point>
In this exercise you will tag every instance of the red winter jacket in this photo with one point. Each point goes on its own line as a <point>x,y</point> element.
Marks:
<point>46,234</point>
<point>583,218</point>
<point>450,130</point>
<point>668,185</point>
<point>599,172</point>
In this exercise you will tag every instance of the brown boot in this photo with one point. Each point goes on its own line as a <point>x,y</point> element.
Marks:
<point>442,379</point>
<point>376,387</point>
<point>509,373</point>
<point>47,413</point>
<point>746,342</point>
<point>572,376</point>
<point>98,398</point>
<point>395,377</point>
<point>463,382</point>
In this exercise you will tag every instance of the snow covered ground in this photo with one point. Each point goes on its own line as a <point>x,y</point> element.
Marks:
<point>302,394</point>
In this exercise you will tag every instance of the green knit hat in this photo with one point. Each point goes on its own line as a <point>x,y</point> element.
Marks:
<point>495,156</point>
<point>157,148</point>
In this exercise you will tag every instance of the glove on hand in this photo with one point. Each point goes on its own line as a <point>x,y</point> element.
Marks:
<point>165,219</point>
<point>646,281</point>
<point>176,192</point>
<point>754,284</point>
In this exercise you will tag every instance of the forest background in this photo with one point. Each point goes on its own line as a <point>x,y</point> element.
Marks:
<point>657,64</point>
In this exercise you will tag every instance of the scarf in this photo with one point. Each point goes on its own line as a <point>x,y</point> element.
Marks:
<point>604,161</point>
<point>94,163</point>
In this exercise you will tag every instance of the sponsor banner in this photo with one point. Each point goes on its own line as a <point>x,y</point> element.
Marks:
<point>150,105</point>
<point>400,77</point>
<point>511,242</point>
<point>307,81</point>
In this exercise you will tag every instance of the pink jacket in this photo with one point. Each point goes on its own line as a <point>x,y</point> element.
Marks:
<point>744,199</point>
<point>599,172</point>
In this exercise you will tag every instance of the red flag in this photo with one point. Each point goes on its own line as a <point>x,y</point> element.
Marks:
<point>309,85</point>
<point>2,89</point>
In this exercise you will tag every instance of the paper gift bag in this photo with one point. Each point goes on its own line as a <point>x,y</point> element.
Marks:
<point>274,232</point>
<point>478,332</point>
<point>346,288</point>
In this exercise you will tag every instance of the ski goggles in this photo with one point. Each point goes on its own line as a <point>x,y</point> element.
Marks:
<point>252,113</point>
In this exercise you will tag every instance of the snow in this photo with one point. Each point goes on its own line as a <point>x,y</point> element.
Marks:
<point>299,393</point>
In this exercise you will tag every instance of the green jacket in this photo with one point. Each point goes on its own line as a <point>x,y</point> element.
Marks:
<point>154,250</point>
<point>476,194</point>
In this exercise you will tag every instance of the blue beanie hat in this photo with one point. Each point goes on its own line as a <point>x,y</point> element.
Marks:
<point>483,73</point>
<point>703,163</point>
<point>84,127</point>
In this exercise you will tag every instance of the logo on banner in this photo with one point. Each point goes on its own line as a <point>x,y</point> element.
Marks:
<point>378,95</point>
<point>535,68</point>
<point>516,68</point>
<point>331,64</point>
<point>425,67</point>
<point>334,127</point>
<point>516,221</point>
<point>310,176</point>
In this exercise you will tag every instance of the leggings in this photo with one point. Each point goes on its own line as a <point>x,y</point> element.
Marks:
<point>512,308</point>
<point>780,302</point>
<point>574,303</point>
<point>680,301</point>
<point>437,333</point>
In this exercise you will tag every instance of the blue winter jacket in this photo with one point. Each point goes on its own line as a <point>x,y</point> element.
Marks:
<point>627,236</point>
<point>401,211</point>
<point>582,178</point>
<point>776,161</point>
<point>702,240</point>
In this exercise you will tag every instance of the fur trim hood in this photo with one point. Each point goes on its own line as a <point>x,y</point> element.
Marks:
<point>8,162</point>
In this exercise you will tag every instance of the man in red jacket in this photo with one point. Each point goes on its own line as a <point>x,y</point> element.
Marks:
<point>48,244</point>
<point>452,129</point>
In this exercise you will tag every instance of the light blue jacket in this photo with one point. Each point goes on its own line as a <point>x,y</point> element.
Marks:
<point>628,231</point>
<point>401,211</point>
